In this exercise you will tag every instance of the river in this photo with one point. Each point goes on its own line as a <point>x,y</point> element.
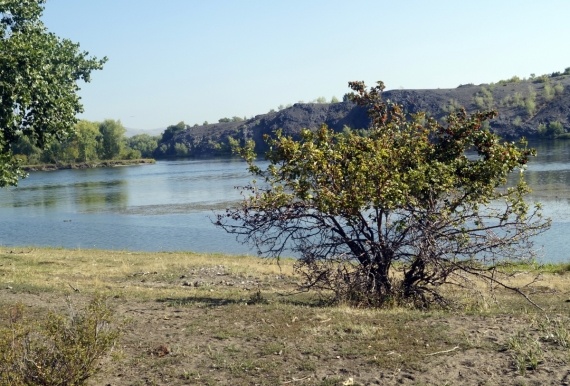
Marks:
<point>169,206</point>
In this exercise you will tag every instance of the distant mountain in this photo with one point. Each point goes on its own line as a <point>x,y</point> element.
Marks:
<point>534,107</point>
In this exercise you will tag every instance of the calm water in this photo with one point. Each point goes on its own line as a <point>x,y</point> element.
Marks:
<point>168,206</point>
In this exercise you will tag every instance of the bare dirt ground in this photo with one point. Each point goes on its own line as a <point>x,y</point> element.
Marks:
<point>212,320</point>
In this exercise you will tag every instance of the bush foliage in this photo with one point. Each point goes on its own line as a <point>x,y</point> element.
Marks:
<point>62,350</point>
<point>392,215</point>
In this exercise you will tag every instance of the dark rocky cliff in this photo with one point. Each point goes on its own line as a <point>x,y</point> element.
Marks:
<point>526,108</point>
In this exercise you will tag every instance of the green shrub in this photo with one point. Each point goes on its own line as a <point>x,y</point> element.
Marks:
<point>542,79</point>
<point>548,92</point>
<point>517,121</point>
<point>61,350</point>
<point>452,105</point>
<point>552,130</point>
<point>518,99</point>
<point>181,150</point>
<point>484,99</point>
<point>530,106</point>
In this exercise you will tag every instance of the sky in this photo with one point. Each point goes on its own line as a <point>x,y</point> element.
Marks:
<point>202,60</point>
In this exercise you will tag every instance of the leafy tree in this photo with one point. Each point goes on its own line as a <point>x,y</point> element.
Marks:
<point>391,216</point>
<point>320,99</point>
<point>552,130</point>
<point>172,130</point>
<point>64,151</point>
<point>26,151</point>
<point>87,133</point>
<point>129,153</point>
<point>144,143</point>
<point>38,88</point>
<point>111,139</point>
<point>181,150</point>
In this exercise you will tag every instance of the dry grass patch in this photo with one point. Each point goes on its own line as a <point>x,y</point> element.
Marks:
<point>137,274</point>
<point>238,320</point>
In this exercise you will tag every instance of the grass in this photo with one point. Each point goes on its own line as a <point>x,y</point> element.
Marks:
<point>237,320</point>
<point>139,275</point>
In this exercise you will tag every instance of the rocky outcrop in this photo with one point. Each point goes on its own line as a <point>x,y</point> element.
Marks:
<point>524,107</point>
<point>213,139</point>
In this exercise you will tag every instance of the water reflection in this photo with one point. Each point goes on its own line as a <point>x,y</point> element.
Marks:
<point>165,206</point>
<point>98,196</point>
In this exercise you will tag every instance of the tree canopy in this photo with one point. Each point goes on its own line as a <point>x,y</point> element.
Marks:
<point>38,82</point>
<point>392,214</point>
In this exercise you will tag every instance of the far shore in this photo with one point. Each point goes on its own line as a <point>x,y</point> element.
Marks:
<point>88,165</point>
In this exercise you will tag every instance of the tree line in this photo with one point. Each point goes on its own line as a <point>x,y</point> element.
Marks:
<point>88,142</point>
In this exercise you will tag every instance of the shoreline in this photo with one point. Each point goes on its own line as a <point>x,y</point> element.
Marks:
<point>88,165</point>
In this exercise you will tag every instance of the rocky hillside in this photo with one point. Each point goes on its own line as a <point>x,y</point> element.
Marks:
<point>534,107</point>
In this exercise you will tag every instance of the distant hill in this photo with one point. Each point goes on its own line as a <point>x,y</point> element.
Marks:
<point>153,132</point>
<point>534,107</point>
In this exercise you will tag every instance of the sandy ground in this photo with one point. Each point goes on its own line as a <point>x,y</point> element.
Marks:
<point>201,341</point>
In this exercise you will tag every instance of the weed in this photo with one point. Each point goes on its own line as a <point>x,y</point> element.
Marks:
<point>555,331</point>
<point>63,350</point>
<point>257,298</point>
<point>222,335</point>
<point>527,352</point>
<point>272,348</point>
<point>307,365</point>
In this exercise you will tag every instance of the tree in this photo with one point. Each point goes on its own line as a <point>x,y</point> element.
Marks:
<point>111,139</point>
<point>181,150</point>
<point>552,130</point>
<point>38,82</point>
<point>144,143</point>
<point>86,134</point>
<point>26,151</point>
<point>321,99</point>
<point>172,130</point>
<point>393,215</point>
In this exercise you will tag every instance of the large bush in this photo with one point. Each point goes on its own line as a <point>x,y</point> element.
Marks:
<point>391,215</point>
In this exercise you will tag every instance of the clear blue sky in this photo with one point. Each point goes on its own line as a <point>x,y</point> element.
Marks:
<point>198,60</point>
